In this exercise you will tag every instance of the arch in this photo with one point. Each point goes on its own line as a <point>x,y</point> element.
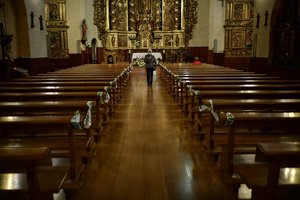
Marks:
<point>110,59</point>
<point>17,25</point>
<point>94,50</point>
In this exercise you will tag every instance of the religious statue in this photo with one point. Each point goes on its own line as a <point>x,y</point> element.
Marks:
<point>145,6</point>
<point>113,41</point>
<point>177,40</point>
<point>53,13</point>
<point>84,30</point>
<point>145,33</point>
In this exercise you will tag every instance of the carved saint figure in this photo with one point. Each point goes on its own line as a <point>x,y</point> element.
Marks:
<point>177,40</point>
<point>53,12</point>
<point>84,28</point>
<point>145,6</point>
<point>238,11</point>
<point>113,40</point>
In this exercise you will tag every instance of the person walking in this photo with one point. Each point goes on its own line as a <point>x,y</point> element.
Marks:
<point>151,64</point>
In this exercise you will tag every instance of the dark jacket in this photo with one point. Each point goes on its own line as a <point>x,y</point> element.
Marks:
<point>150,61</point>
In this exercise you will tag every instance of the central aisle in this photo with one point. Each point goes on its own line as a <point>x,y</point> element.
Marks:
<point>150,152</point>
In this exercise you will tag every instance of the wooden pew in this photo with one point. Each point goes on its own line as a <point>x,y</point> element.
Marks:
<point>243,131</point>
<point>54,88</point>
<point>172,78</point>
<point>49,108</point>
<point>33,126</point>
<point>272,171</point>
<point>101,107</point>
<point>184,87</point>
<point>54,83</point>
<point>40,183</point>
<point>63,79</point>
<point>206,120</point>
<point>51,86</point>
<point>237,85</point>
<point>195,98</point>
<point>243,86</point>
<point>178,81</point>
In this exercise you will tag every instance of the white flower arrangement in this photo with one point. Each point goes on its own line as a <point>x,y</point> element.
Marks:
<point>139,62</point>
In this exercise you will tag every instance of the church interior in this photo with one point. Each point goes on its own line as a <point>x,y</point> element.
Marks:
<point>219,119</point>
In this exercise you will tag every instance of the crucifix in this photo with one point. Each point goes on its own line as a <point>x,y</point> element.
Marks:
<point>266,18</point>
<point>257,20</point>
<point>41,23</point>
<point>32,19</point>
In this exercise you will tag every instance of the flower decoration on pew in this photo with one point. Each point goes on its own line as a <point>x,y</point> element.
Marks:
<point>179,82</point>
<point>101,96</point>
<point>107,92</point>
<point>88,117</point>
<point>229,119</point>
<point>114,83</point>
<point>190,90</point>
<point>75,120</point>
<point>210,108</point>
<point>196,92</point>
<point>104,96</point>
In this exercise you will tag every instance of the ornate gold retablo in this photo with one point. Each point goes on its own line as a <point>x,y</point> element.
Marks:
<point>143,24</point>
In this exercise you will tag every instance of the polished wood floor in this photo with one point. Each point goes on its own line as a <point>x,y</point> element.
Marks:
<point>150,152</point>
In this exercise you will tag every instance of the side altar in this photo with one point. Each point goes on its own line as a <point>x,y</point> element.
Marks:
<point>131,26</point>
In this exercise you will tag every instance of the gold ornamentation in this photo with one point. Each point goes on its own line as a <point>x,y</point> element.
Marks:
<point>145,23</point>
<point>132,15</point>
<point>239,28</point>
<point>100,20</point>
<point>57,28</point>
<point>168,22</point>
<point>157,15</point>
<point>176,15</point>
<point>144,6</point>
<point>190,18</point>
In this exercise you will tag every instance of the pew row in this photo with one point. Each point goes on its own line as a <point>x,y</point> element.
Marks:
<point>239,133</point>
<point>275,172</point>
<point>56,127</point>
<point>20,164</point>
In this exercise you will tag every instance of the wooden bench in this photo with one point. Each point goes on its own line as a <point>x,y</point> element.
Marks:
<point>191,104</point>
<point>179,86</point>
<point>238,85</point>
<point>44,108</point>
<point>239,133</point>
<point>39,182</point>
<point>59,126</point>
<point>206,120</point>
<point>101,107</point>
<point>277,169</point>
<point>98,87</point>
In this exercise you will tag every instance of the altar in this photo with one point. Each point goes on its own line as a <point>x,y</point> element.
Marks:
<point>140,55</point>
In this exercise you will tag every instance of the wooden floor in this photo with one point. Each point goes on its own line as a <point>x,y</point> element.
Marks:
<point>150,151</point>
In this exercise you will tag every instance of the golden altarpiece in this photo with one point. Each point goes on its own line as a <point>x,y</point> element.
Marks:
<point>135,25</point>
<point>239,28</point>
<point>57,28</point>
